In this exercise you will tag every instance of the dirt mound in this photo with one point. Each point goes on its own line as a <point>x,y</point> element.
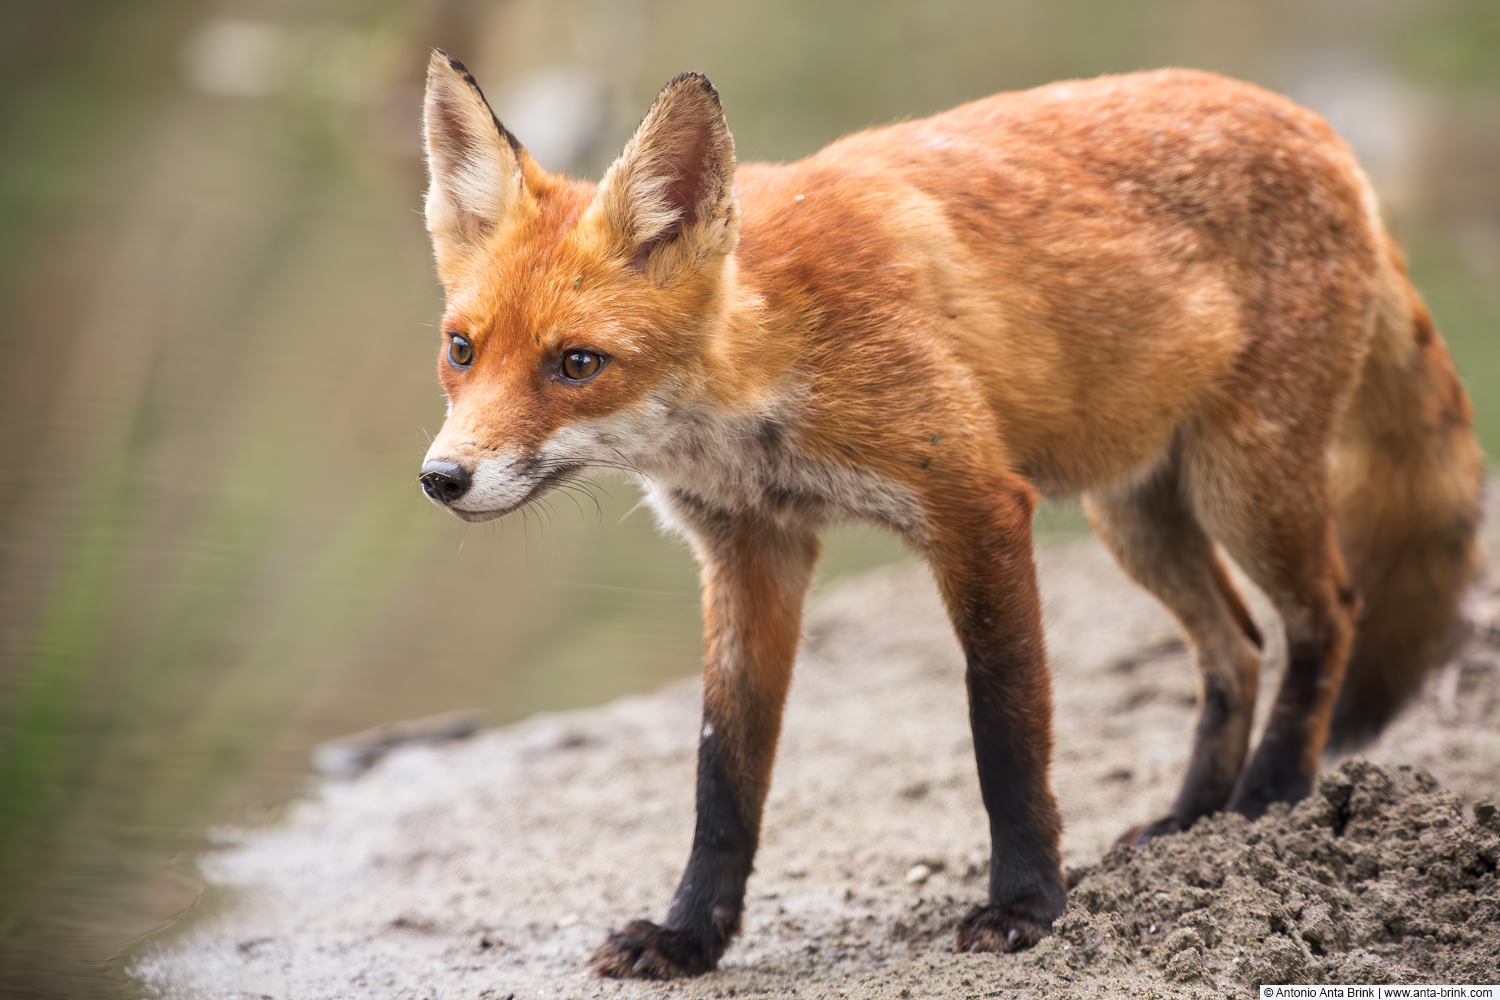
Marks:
<point>1378,877</point>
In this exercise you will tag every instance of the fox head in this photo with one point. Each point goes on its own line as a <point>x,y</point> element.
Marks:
<point>579,317</point>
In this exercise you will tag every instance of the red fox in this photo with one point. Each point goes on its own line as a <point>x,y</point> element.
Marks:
<point>1169,292</point>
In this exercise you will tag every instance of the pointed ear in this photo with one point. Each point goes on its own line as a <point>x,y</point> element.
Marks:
<point>474,162</point>
<point>668,201</point>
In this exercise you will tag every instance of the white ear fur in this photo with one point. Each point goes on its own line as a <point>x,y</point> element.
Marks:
<point>473,161</point>
<point>669,197</point>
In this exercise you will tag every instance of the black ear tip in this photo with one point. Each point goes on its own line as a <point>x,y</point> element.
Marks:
<point>468,78</point>
<point>453,63</point>
<point>693,77</point>
<point>457,67</point>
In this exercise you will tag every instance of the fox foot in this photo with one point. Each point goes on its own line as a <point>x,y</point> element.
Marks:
<point>1143,833</point>
<point>643,950</point>
<point>1014,927</point>
<point>1253,800</point>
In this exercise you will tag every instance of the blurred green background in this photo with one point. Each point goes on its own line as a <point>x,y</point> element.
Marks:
<point>217,339</point>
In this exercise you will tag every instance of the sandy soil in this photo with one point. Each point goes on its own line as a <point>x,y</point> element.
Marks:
<point>492,867</point>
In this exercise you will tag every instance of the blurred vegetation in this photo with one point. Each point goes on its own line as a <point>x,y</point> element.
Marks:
<point>1451,45</point>
<point>216,345</point>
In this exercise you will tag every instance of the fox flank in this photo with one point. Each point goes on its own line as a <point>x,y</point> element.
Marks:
<point>1169,292</point>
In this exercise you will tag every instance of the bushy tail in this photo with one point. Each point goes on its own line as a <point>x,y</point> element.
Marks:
<point>1408,477</point>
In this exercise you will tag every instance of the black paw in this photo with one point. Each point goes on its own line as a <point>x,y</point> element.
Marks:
<point>1013,927</point>
<point>1144,833</point>
<point>643,950</point>
<point>1253,798</point>
<point>1279,772</point>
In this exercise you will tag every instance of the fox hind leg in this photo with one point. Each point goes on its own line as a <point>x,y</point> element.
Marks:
<point>1269,507</point>
<point>1156,538</point>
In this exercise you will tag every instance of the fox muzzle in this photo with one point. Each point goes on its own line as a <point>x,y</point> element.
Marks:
<point>445,482</point>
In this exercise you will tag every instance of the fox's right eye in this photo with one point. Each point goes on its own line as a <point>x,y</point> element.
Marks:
<point>460,351</point>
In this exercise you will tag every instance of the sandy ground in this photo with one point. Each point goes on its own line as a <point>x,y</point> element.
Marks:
<point>493,866</point>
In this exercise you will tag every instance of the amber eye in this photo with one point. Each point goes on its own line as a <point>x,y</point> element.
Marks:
<point>580,366</point>
<point>460,351</point>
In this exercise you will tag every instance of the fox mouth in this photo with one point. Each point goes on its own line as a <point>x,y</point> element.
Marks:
<point>553,479</point>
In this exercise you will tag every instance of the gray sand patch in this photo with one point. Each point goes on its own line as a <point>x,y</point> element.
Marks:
<point>494,866</point>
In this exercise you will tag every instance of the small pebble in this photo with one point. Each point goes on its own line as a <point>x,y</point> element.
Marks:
<point>918,874</point>
<point>568,921</point>
<point>797,197</point>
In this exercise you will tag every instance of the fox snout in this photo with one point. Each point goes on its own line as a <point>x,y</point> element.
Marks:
<point>493,486</point>
<point>445,482</point>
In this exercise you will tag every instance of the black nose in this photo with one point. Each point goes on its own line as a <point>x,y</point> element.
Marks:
<point>445,482</point>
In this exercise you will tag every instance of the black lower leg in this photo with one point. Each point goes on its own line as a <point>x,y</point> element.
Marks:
<point>712,891</point>
<point>1285,764</point>
<point>1027,891</point>
<point>1218,751</point>
<point>705,912</point>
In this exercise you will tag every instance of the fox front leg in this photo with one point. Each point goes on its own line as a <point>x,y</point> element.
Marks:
<point>755,577</point>
<point>982,557</point>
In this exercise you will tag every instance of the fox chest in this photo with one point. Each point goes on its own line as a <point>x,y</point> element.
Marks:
<point>757,473</point>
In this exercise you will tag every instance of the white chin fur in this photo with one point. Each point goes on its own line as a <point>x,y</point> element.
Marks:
<point>476,516</point>
<point>498,485</point>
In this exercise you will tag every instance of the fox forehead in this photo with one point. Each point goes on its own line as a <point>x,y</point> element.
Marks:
<point>545,282</point>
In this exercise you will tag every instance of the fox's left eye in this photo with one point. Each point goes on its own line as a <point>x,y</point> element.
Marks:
<point>460,351</point>
<point>580,366</point>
